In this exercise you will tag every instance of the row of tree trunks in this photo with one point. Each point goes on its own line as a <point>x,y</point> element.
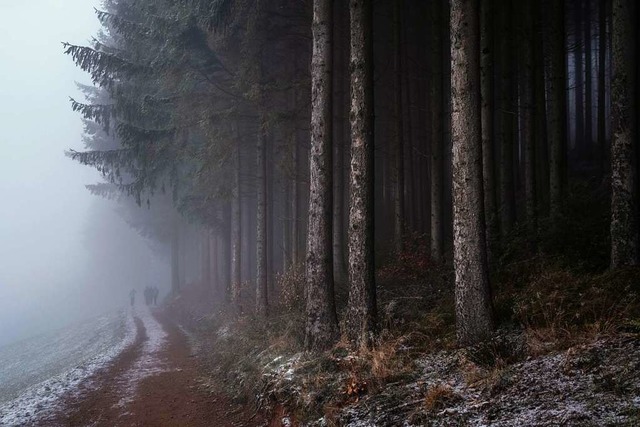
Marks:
<point>476,191</point>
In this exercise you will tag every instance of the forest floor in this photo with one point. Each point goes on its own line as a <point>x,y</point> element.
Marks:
<point>566,353</point>
<point>154,382</point>
<point>595,382</point>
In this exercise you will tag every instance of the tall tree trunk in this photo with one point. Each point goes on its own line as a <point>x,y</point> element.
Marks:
<point>624,214</point>
<point>224,263</point>
<point>540,114</point>
<point>600,151</point>
<point>270,197</point>
<point>588,99</point>
<point>398,201</point>
<point>436,133</point>
<point>175,255</point>
<point>287,242</point>
<point>410,130</point>
<point>295,206</point>
<point>261,219</point>
<point>507,120</point>
<point>361,320</point>
<point>474,318</point>
<point>212,259</point>
<point>527,109</point>
<point>296,193</point>
<point>555,58</point>
<point>487,95</point>
<point>339,266</point>
<point>205,242</point>
<point>321,323</point>
<point>579,81</point>
<point>182,252</point>
<point>236,236</point>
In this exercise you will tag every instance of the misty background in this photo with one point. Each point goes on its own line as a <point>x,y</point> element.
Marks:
<point>64,253</point>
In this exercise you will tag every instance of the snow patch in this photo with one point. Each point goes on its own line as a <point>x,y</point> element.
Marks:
<point>149,363</point>
<point>42,399</point>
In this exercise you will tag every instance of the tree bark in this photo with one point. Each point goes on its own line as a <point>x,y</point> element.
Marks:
<point>487,94</point>
<point>175,255</point>
<point>361,319</point>
<point>600,151</point>
<point>295,199</point>
<point>624,226</point>
<point>261,222</point>
<point>213,258</point>
<point>436,133</point>
<point>588,98</point>
<point>507,120</point>
<point>321,322</point>
<point>205,240</point>
<point>398,202</point>
<point>527,110</point>
<point>540,114</point>
<point>579,81</point>
<point>182,254</point>
<point>339,266</point>
<point>555,58</point>
<point>236,236</point>
<point>474,318</point>
<point>287,242</point>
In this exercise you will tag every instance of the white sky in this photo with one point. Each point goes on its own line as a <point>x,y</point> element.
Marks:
<point>43,202</point>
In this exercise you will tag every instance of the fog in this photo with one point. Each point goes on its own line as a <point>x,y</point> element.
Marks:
<point>64,254</point>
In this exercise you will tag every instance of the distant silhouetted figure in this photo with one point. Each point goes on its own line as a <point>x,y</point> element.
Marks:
<point>156,292</point>
<point>148,295</point>
<point>132,295</point>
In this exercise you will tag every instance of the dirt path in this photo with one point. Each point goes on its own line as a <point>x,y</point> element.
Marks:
<point>153,383</point>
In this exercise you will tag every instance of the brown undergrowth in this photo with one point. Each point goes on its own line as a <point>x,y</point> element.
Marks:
<point>547,297</point>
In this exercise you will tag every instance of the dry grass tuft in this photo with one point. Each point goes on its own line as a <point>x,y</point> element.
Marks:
<point>439,397</point>
<point>493,380</point>
<point>559,308</point>
<point>386,360</point>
